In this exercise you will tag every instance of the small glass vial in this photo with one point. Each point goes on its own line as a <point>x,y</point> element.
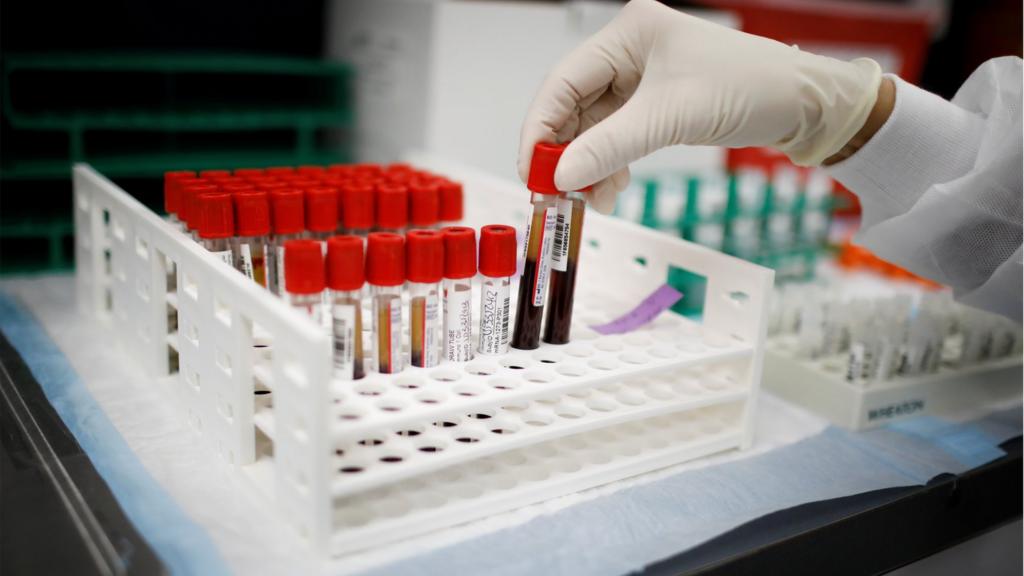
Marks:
<point>497,266</point>
<point>385,273</point>
<point>450,202</point>
<point>424,204</point>
<point>533,284</point>
<point>459,270</point>
<point>357,208</point>
<point>190,211</point>
<point>345,281</point>
<point>424,265</point>
<point>304,278</point>
<point>321,213</point>
<point>565,254</point>
<point>217,225</point>
<point>172,193</point>
<point>288,224</point>
<point>252,234</point>
<point>392,202</point>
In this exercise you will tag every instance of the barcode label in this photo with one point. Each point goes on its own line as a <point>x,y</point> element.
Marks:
<point>246,253</point>
<point>458,324</point>
<point>225,256</point>
<point>560,244</point>
<point>344,320</point>
<point>279,272</point>
<point>540,280</point>
<point>494,319</point>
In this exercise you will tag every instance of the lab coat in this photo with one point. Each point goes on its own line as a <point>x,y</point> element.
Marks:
<point>940,187</point>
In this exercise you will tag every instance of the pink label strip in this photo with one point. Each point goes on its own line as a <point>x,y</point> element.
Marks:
<point>648,309</point>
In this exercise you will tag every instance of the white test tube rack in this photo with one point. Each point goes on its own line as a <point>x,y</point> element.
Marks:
<point>352,465</point>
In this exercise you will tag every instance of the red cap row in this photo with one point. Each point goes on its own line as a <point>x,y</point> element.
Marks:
<point>390,260</point>
<point>358,196</point>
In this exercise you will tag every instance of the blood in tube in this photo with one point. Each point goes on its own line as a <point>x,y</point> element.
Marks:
<point>385,273</point>
<point>252,217</point>
<point>424,258</point>
<point>565,254</point>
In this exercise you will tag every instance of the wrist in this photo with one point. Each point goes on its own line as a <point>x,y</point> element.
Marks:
<point>884,104</point>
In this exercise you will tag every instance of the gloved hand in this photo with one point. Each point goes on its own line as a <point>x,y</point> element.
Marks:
<point>655,77</point>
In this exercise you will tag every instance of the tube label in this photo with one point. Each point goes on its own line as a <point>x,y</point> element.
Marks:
<point>560,243</point>
<point>393,340</point>
<point>431,330</point>
<point>543,268</point>
<point>279,272</point>
<point>344,325</point>
<point>458,324</point>
<point>494,318</point>
<point>254,264</point>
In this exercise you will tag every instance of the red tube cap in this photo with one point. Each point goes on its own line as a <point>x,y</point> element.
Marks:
<point>303,267</point>
<point>288,214</point>
<point>172,189</point>
<point>385,259</point>
<point>237,188</point>
<point>312,171</point>
<point>277,171</point>
<point>459,252</point>
<point>357,206</point>
<point>424,256</point>
<point>498,251</point>
<point>367,170</point>
<point>214,174</point>
<point>252,213</point>
<point>249,172</point>
<point>321,209</point>
<point>392,206</point>
<point>424,204</point>
<point>345,263</point>
<point>190,193</point>
<point>271,185</point>
<point>542,167</point>
<point>217,216</point>
<point>450,201</point>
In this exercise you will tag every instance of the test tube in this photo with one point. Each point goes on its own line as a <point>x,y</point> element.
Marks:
<point>172,193</point>
<point>190,207</point>
<point>459,269</point>
<point>288,218</point>
<point>450,202</point>
<point>321,213</point>
<point>392,207</point>
<point>217,225</point>
<point>385,273</point>
<point>565,254</point>
<point>357,208</point>
<point>424,204</point>
<point>304,277</point>
<point>424,265</point>
<point>345,280</point>
<point>533,284</point>
<point>497,266</point>
<point>252,217</point>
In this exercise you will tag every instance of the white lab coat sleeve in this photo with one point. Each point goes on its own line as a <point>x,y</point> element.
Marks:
<point>940,187</point>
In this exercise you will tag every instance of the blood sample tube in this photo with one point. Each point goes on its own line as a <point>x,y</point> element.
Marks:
<point>248,173</point>
<point>497,266</point>
<point>357,208</point>
<point>288,217</point>
<point>565,253</point>
<point>450,202</point>
<point>424,265</point>
<point>217,225</point>
<point>459,269</point>
<point>190,209</point>
<point>385,272</point>
<point>392,207</point>
<point>533,284</point>
<point>424,204</point>
<point>252,218</point>
<point>304,277</point>
<point>321,213</point>
<point>345,281</point>
<point>172,193</point>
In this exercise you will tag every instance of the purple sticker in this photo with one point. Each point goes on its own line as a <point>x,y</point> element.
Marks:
<point>660,300</point>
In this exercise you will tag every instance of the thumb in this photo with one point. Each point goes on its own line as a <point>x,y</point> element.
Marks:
<point>609,146</point>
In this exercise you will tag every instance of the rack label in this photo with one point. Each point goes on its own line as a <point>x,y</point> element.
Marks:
<point>560,244</point>
<point>458,324</point>
<point>344,320</point>
<point>494,318</point>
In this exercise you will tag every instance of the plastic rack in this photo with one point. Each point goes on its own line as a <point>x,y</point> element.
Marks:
<point>357,464</point>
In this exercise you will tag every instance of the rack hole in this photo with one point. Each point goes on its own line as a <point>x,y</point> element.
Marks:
<point>634,358</point>
<point>350,469</point>
<point>370,389</point>
<point>573,370</point>
<point>482,416</point>
<point>468,390</point>
<point>409,432</point>
<point>603,363</point>
<point>391,458</point>
<point>537,418</point>
<point>446,423</point>
<point>503,384</point>
<point>539,377</point>
<point>431,397</point>
<point>480,369</point>
<point>408,382</point>
<point>467,439</point>
<point>445,375</point>
<point>515,363</point>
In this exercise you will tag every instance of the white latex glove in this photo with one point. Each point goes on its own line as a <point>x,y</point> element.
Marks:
<point>656,77</point>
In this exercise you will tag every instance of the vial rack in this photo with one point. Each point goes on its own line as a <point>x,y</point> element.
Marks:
<point>353,465</point>
<point>820,385</point>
